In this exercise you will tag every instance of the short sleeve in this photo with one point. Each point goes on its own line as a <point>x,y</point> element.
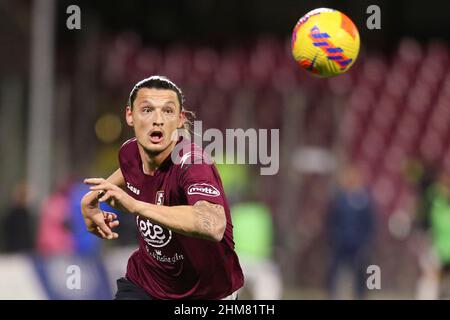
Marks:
<point>201,181</point>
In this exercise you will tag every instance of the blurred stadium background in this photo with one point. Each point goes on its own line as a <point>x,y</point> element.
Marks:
<point>62,98</point>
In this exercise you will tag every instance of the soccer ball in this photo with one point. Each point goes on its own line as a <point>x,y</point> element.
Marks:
<point>325,42</point>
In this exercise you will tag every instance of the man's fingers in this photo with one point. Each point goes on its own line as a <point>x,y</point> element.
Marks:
<point>112,236</point>
<point>106,196</point>
<point>113,224</point>
<point>98,184</point>
<point>103,227</point>
<point>109,216</point>
<point>94,181</point>
<point>101,187</point>
<point>100,194</point>
<point>113,216</point>
<point>100,232</point>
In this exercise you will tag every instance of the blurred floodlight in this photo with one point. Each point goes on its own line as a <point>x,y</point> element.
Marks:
<point>108,128</point>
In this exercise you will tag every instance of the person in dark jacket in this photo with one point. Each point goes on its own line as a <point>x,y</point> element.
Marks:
<point>351,222</point>
<point>17,225</point>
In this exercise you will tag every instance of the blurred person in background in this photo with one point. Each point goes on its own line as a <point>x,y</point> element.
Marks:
<point>55,235</point>
<point>435,262</point>
<point>17,225</point>
<point>424,182</point>
<point>61,229</point>
<point>350,225</point>
<point>423,176</point>
<point>62,242</point>
<point>253,233</point>
<point>186,247</point>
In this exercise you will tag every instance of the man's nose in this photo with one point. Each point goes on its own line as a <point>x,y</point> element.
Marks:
<point>158,120</point>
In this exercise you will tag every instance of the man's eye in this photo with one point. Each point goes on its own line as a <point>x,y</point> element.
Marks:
<point>146,110</point>
<point>168,111</point>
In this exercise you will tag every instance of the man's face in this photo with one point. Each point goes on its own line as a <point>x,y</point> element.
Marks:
<point>352,178</point>
<point>155,117</point>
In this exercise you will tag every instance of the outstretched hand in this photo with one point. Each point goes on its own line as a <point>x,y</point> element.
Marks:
<point>112,194</point>
<point>104,224</point>
<point>98,222</point>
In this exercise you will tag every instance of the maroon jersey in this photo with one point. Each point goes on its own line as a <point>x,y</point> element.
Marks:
<point>169,265</point>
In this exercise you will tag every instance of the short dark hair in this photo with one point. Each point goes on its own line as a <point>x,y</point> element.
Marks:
<point>157,82</point>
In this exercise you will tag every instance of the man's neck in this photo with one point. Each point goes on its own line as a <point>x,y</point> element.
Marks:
<point>151,162</point>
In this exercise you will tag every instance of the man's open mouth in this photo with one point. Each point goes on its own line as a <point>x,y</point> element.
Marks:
<point>156,136</point>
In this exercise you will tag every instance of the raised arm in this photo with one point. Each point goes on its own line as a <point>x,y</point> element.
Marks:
<point>202,220</point>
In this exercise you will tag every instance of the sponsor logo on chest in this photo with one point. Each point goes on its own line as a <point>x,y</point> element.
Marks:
<point>153,234</point>
<point>133,189</point>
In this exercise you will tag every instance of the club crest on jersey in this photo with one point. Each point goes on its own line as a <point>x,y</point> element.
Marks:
<point>159,198</point>
<point>204,189</point>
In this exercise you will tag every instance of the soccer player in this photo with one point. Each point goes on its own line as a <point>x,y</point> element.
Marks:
<point>186,248</point>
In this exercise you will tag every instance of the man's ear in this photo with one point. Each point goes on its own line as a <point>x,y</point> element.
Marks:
<point>129,116</point>
<point>182,119</point>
